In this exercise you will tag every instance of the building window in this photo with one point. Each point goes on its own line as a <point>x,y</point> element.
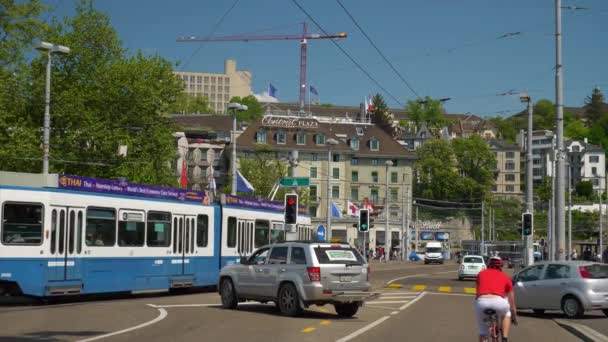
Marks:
<point>354,176</point>
<point>335,191</point>
<point>510,155</point>
<point>394,195</point>
<point>354,161</point>
<point>594,171</point>
<point>395,162</point>
<point>301,138</point>
<point>510,177</point>
<point>313,193</point>
<point>312,211</point>
<point>354,194</point>
<point>335,173</point>
<point>509,166</point>
<point>374,177</point>
<point>374,144</point>
<point>510,188</point>
<point>335,157</point>
<point>261,137</point>
<point>394,177</point>
<point>354,143</point>
<point>320,139</point>
<point>494,187</point>
<point>594,159</point>
<point>281,137</point>
<point>374,162</point>
<point>374,195</point>
<point>595,182</point>
<point>314,157</point>
<point>313,172</point>
<point>576,148</point>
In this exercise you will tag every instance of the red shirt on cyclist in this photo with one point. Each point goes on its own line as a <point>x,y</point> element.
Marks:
<point>493,282</point>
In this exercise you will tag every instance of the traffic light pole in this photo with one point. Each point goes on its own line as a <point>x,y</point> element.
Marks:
<point>528,240</point>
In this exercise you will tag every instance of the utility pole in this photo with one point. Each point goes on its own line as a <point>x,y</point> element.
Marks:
<point>560,231</point>
<point>417,230</point>
<point>528,240</point>
<point>482,229</point>
<point>569,213</point>
<point>389,247</point>
<point>404,238</point>
<point>553,216</point>
<point>601,226</point>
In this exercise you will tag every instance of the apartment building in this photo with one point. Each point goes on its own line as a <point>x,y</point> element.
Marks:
<point>508,170</point>
<point>586,162</point>
<point>543,144</point>
<point>218,88</point>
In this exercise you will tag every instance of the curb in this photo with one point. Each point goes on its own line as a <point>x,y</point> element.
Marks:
<point>582,331</point>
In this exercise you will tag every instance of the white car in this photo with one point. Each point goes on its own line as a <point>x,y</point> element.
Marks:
<point>470,266</point>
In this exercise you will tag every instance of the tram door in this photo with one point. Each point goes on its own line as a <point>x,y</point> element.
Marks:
<point>244,237</point>
<point>184,228</point>
<point>66,243</point>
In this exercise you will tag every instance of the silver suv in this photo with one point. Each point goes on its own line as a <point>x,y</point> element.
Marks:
<point>295,275</point>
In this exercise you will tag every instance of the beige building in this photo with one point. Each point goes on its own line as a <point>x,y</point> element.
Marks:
<point>508,170</point>
<point>218,88</point>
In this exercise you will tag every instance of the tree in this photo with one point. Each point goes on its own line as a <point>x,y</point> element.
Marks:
<point>506,129</point>
<point>544,115</point>
<point>382,117</point>
<point>576,130</point>
<point>426,112</point>
<point>543,191</point>
<point>436,169</point>
<point>20,24</point>
<point>584,189</point>
<point>594,107</point>
<point>254,110</point>
<point>189,104</point>
<point>476,164</point>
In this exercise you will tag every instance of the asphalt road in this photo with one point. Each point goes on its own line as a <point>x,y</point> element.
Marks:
<point>441,310</point>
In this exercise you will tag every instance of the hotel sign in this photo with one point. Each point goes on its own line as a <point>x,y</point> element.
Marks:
<point>286,122</point>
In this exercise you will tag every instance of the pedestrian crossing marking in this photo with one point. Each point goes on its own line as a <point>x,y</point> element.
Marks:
<point>445,289</point>
<point>418,287</point>
<point>325,322</point>
<point>470,290</point>
<point>395,286</point>
<point>309,329</point>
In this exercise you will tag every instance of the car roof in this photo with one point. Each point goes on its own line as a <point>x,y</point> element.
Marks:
<point>472,255</point>
<point>307,242</point>
<point>567,262</point>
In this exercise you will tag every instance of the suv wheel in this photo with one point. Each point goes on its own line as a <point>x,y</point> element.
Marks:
<point>572,307</point>
<point>346,309</point>
<point>605,311</point>
<point>228,294</point>
<point>289,300</point>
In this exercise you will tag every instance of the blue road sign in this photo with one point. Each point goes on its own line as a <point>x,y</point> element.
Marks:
<point>321,233</point>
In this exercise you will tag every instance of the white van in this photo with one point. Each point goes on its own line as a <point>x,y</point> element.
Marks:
<point>433,252</point>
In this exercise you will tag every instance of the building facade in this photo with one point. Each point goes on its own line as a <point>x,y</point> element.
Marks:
<point>543,145</point>
<point>218,88</point>
<point>508,170</point>
<point>587,162</point>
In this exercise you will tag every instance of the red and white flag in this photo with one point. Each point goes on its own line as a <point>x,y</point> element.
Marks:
<point>352,209</point>
<point>369,206</point>
<point>184,178</point>
<point>366,106</point>
<point>371,104</point>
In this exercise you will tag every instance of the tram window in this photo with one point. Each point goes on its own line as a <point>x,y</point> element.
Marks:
<point>22,224</point>
<point>101,227</point>
<point>53,231</point>
<point>72,230</point>
<point>131,233</point>
<point>176,237</point>
<point>202,230</point>
<point>61,230</point>
<point>159,229</point>
<point>79,233</point>
<point>187,237</point>
<point>277,236</point>
<point>231,237</point>
<point>262,233</point>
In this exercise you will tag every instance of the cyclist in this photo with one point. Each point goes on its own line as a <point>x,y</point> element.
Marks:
<point>493,289</point>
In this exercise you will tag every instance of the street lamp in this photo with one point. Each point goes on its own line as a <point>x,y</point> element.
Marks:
<point>50,49</point>
<point>529,257</point>
<point>389,248</point>
<point>330,142</point>
<point>235,107</point>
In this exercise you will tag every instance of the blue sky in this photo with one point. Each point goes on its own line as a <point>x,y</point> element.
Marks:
<point>444,48</point>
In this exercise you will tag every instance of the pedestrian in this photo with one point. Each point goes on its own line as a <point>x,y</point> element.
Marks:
<point>574,255</point>
<point>605,256</point>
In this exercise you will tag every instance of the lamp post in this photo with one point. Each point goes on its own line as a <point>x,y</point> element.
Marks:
<point>235,107</point>
<point>50,49</point>
<point>330,142</point>
<point>528,240</point>
<point>389,248</point>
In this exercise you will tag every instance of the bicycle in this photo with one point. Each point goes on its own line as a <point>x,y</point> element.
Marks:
<point>494,325</point>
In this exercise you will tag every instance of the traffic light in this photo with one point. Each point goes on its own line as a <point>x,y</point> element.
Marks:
<point>291,208</point>
<point>364,220</point>
<point>526,222</point>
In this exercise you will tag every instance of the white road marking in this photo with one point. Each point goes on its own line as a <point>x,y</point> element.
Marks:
<point>398,297</point>
<point>418,275</point>
<point>364,329</point>
<point>451,294</point>
<point>388,302</point>
<point>397,268</point>
<point>161,316</point>
<point>412,302</point>
<point>379,307</point>
<point>394,312</point>
<point>197,305</point>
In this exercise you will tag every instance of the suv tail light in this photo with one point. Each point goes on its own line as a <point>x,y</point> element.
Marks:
<point>314,274</point>
<point>462,267</point>
<point>584,273</point>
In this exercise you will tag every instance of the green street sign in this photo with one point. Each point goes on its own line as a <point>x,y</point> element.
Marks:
<point>294,181</point>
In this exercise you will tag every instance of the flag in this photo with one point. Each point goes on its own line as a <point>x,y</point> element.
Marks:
<point>272,91</point>
<point>184,179</point>
<point>212,185</point>
<point>371,104</point>
<point>242,184</point>
<point>369,205</point>
<point>314,90</point>
<point>352,209</point>
<point>335,210</point>
<point>366,106</point>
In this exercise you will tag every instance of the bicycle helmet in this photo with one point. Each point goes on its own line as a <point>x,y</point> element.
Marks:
<point>495,262</point>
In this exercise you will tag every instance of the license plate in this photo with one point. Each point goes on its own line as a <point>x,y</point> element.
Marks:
<point>346,279</point>
<point>472,267</point>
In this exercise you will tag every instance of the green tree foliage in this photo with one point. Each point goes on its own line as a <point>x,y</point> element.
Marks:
<point>382,117</point>
<point>254,110</point>
<point>543,191</point>
<point>189,104</point>
<point>595,107</point>
<point>476,163</point>
<point>102,97</point>
<point>506,129</point>
<point>576,130</point>
<point>20,25</point>
<point>436,168</point>
<point>584,189</point>
<point>426,112</point>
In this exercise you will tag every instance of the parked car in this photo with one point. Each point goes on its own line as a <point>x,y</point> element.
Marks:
<point>571,286</point>
<point>295,275</point>
<point>470,266</point>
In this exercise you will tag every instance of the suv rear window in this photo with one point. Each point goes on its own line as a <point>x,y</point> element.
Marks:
<point>597,271</point>
<point>338,255</point>
<point>473,260</point>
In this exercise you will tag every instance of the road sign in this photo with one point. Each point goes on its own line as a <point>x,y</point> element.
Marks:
<point>294,181</point>
<point>321,233</point>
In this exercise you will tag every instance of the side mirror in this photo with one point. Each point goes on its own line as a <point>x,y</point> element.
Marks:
<point>244,260</point>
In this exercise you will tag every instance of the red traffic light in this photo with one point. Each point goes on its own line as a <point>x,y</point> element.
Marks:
<point>291,201</point>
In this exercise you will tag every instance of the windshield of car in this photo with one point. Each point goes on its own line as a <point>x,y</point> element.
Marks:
<point>597,271</point>
<point>433,250</point>
<point>473,260</point>
<point>338,255</point>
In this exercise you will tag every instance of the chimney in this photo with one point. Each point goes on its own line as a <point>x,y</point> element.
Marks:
<point>361,117</point>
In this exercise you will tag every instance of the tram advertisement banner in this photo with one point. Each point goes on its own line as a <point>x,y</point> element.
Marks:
<point>260,204</point>
<point>427,236</point>
<point>122,187</point>
<point>442,236</point>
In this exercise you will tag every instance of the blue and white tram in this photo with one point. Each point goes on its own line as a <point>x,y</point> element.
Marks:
<point>78,235</point>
